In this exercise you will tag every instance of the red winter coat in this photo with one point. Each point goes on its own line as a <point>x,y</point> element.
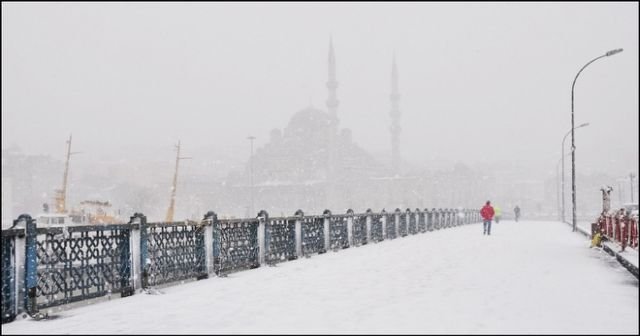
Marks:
<point>487,212</point>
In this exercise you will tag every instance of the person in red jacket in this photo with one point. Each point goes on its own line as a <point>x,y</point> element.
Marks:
<point>487,215</point>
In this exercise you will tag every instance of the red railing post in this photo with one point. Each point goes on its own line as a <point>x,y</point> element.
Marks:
<point>624,231</point>
<point>616,229</point>
<point>633,233</point>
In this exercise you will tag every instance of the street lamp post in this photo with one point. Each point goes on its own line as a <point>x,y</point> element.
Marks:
<point>251,138</point>
<point>573,143</point>
<point>563,198</point>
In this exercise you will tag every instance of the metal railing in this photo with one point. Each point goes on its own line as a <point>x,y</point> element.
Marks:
<point>54,266</point>
<point>618,227</point>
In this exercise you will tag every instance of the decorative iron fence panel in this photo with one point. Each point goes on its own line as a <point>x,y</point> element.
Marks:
<point>238,245</point>
<point>422,224</point>
<point>376,228</point>
<point>175,251</point>
<point>391,225</point>
<point>338,232</point>
<point>9,274</point>
<point>81,262</point>
<point>402,226</point>
<point>359,230</point>
<point>312,235</point>
<point>281,240</point>
<point>413,228</point>
<point>429,218</point>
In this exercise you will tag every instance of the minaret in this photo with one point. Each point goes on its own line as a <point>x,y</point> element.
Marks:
<point>395,119</point>
<point>332,85</point>
<point>332,130</point>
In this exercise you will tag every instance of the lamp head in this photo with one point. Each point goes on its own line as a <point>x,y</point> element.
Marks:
<point>613,52</point>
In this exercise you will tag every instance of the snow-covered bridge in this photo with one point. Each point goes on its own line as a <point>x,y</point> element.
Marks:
<point>527,277</point>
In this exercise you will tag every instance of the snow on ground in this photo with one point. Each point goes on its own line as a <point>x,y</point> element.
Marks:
<point>527,277</point>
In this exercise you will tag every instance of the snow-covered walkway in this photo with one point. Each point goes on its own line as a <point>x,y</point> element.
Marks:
<point>527,277</point>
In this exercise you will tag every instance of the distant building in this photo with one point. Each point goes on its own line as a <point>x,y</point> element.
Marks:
<point>311,164</point>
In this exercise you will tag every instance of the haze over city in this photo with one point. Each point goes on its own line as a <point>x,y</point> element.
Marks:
<point>485,85</point>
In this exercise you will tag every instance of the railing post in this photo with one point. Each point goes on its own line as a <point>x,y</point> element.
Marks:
<point>327,229</point>
<point>202,252</point>
<point>31,264</point>
<point>408,215</point>
<point>610,226</point>
<point>11,301</point>
<point>145,261</point>
<point>396,218</point>
<point>624,230</point>
<point>209,219</point>
<point>217,245</point>
<point>135,241</point>
<point>616,228</point>
<point>20,274</point>
<point>425,212</point>
<point>263,239</point>
<point>634,233</point>
<point>443,218</point>
<point>447,212</point>
<point>299,217</point>
<point>127,288</point>
<point>350,227</point>
<point>383,219</point>
<point>417,215</point>
<point>368,224</point>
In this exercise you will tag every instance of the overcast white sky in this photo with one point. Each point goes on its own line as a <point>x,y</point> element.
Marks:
<point>479,81</point>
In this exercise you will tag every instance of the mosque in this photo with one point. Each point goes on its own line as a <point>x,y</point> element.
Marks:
<point>313,164</point>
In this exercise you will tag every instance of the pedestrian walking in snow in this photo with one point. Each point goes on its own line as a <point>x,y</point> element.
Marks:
<point>487,215</point>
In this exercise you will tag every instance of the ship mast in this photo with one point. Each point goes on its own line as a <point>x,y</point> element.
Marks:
<point>61,194</point>
<point>169,217</point>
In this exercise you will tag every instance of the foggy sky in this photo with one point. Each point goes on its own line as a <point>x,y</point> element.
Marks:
<point>479,82</point>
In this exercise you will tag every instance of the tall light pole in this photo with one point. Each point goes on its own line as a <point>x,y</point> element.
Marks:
<point>563,139</point>
<point>251,138</point>
<point>573,142</point>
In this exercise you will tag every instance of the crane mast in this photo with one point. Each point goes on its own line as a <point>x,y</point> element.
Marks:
<point>61,194</point>
<point>169,217</point>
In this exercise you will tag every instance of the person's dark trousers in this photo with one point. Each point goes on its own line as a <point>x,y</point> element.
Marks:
<point>487,226</point>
